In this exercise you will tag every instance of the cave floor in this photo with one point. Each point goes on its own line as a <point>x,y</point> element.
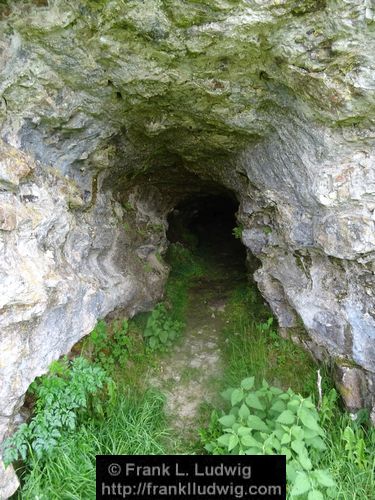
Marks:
<point>191,373</point>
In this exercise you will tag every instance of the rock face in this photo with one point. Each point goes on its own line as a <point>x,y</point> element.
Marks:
<point>112,112</point>
<point>62,269</point>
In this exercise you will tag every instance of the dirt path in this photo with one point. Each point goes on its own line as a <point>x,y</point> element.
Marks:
<point>190,373</point>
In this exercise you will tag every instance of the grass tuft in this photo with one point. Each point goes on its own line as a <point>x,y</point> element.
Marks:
<point>134,425</point>
<point>252,346</point>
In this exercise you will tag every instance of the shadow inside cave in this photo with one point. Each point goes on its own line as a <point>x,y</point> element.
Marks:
<point>206,224</point>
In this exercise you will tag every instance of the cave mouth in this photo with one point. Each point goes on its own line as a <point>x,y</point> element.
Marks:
<point>207,225</point>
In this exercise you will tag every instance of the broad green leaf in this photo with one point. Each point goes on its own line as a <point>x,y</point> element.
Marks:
<point>227,394</point>
<point>308,420</point>
<point>286,438</point>
<point>227,420</point>
<point>236,396</point>
<point>297,432</point>
<point>248,383</point>
<point>224,440</point>
<point>307,403</point>
<point>233,442</point>
<point>259,413</point>
<point>273,442</point>
<point>324,478</point>
<point>305,461</point>
<point>278,406</point>
<point>309,433</point>
<point>235,427</point>
<point>286,417</point>
<point>257,424</point>
<point>276,390</point>
<point>153,342</point>
<point>317,443</point>
<point>250,442</point>
<point>348,434</point>
<point>284,397</point>
<point>244,412</point>
<point>234,411</point>
<point>285,428</point>
<point>293,405</point>
<point>315,495</point>
<point>252,400</point>
<point>252,451</point>
<point>163,336</point>
<point>298,446</point>
<point>286,451</point>
<point>243,431</point>
<point>291,472</point>
<point>301,484</point>
<point>331,492</point>
<point>277,432</point>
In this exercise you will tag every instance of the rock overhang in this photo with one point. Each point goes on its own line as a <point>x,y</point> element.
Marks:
<point>190,79</point>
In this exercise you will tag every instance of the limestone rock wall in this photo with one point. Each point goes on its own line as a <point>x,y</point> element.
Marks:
<point>312,226</point>
<point>61,270</point>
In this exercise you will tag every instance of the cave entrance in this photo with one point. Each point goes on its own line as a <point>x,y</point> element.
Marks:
<point>207,225</point>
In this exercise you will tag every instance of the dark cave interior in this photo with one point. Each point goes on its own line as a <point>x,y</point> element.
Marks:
<point>206,223</point>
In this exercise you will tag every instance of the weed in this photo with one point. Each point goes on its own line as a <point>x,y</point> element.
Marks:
<point>270,421</point>
<point>350,454</point>
<point>107,346</point>
<point>66,396</point>
<point>160,329</point>
<point>252,345</point>
<point>128,207</point>
<point>186,267</point>
<point>134,425</point>
<point>237,232</point>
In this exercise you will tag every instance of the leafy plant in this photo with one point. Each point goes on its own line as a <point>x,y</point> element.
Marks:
<point>134,425</point>
<point>110,349</point>
<point>253,345</point>
<point>327,410</point>
<point>355,446</point>
<point>185,264</point>
<point>271,421</point>
<point>237,232</point>
<point>350,454</point>
<point>69,393</point>
<point>160,329</point>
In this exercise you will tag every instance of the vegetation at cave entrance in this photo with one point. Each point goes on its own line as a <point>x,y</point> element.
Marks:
<point>116,413</point>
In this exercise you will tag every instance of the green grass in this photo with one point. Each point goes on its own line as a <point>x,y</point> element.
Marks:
<point>351,461</point>
<point>186,267</point>
<point>252,347</point>
<point>135,425</point>
<point>136,422</point>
